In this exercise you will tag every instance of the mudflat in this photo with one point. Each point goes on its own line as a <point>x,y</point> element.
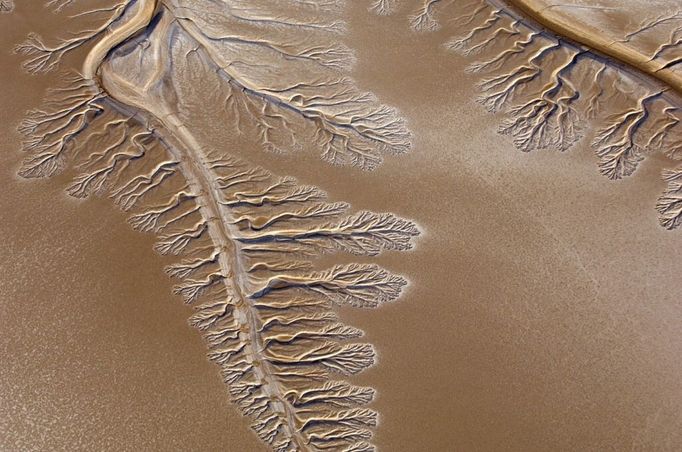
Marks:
<point>541,310</point>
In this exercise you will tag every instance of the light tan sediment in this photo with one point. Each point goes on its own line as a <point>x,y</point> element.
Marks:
<point>581,33</point>
<point>139,21</point>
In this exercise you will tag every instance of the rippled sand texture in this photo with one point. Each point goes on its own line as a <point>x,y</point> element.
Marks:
<point>555,92</point>
<point>247,238</point>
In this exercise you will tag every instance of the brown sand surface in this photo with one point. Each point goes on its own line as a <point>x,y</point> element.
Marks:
<point>543,310</point>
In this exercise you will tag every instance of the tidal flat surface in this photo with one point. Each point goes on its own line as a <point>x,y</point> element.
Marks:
<point>542,311</point>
